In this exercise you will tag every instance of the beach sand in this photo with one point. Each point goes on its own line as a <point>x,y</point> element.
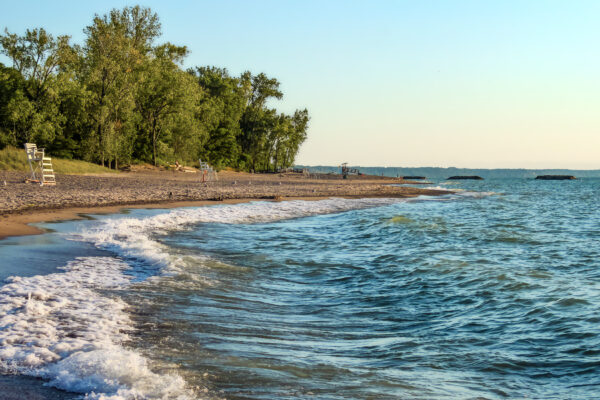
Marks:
<point>75,195</point>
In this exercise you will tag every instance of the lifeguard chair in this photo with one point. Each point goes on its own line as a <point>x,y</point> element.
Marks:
<point>39,165</point>
<point>207,172</point>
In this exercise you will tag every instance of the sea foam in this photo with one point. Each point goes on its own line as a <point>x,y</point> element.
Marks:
<point>60,328</point>
<point>136,238</point>
<point>64,328</point>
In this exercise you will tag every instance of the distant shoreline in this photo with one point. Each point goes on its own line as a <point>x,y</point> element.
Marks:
<point>444,173</point>
<point>23,204</point>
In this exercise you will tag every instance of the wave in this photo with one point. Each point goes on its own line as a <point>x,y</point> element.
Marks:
<point>477,195</point>
<point>60,328</point>
<point>444,189</point>
<point>462,192</point>
<point>135,238</point>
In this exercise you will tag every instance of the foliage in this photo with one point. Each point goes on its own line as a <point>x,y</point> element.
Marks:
<point>120,98</point>
<point>31,110</point>
<point>13,159</point>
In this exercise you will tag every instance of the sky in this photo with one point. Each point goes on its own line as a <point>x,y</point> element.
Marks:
<point>474,84</point>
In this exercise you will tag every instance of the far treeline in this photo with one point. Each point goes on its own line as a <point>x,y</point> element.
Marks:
<point>121,98</point>
<point>443,173</point>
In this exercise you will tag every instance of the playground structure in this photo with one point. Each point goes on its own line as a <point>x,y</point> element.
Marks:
<point>207,172</point>
<point>40,165</point>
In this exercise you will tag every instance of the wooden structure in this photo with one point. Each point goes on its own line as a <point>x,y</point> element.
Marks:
<point>40,165</point>
<point>207,172</point>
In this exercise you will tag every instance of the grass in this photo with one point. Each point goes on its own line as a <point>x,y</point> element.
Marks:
<point>13,159</point>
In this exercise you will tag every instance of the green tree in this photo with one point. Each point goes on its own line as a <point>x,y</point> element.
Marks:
<point>257,120</point>
<point>33,106</point>
<point>120,97</point>
<point>11,81</point>
<point>166,100</point>
<point>296,135</point>
<point>223,104</point>
<point>115,51</point>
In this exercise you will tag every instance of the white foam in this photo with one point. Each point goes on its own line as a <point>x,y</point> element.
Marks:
<point>444,189</point>
<point>134,237</point>
<point>477,195</point>
<point>463,192</point>
<point>60,328</point>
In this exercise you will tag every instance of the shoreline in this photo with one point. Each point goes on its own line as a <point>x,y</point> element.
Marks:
<point>75,196</point>
<point>18,224</point>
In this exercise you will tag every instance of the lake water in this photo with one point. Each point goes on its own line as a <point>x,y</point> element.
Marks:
<point>489,292</point>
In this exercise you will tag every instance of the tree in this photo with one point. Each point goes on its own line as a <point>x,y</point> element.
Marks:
<point>33,105</point>
<point>116,48</point>
<point>222,106</point>
<point>120,97</point>
<point>165,91</point>
<point>297,135</point>
<point>257,120</point>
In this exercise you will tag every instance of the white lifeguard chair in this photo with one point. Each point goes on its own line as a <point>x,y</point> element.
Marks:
<point>207,172</point>
<point>40,166</point>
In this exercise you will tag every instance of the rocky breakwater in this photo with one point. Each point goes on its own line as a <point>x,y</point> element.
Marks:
<point>555,177</point>
<point>462,177</point>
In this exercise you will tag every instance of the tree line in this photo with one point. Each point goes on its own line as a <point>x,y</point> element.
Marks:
<point>122,98</point>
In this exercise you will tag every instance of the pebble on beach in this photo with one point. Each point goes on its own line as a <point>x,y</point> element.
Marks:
<point>146,188</point>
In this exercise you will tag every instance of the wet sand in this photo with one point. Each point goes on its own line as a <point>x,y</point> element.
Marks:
<point>19,387</point>
<point>75,195</point>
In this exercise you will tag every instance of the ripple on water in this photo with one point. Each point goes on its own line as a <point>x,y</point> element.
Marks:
<point>470,297</point>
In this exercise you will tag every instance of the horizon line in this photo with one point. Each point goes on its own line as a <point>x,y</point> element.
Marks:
<point>480,168</point>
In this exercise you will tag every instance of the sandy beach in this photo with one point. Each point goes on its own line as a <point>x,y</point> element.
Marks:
<point>24,203</point>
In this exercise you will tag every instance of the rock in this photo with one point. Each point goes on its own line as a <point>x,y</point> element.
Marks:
<point>413,178</point>
<point>555,177</point>
<point>460,177</point>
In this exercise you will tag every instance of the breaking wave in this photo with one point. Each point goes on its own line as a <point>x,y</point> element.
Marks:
<point>66,328</point>
<point>71,328</point>
<point>136,238</point>
<point>60,327</point>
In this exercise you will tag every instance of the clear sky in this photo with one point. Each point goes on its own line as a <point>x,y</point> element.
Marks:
<point>398,83</point>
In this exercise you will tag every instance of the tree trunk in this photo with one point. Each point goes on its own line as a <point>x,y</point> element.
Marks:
<point>154,139</point>
<point>101,142</point>
<point>154,151</point>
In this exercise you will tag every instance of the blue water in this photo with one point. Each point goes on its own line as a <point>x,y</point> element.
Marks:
<point>489,293</point>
